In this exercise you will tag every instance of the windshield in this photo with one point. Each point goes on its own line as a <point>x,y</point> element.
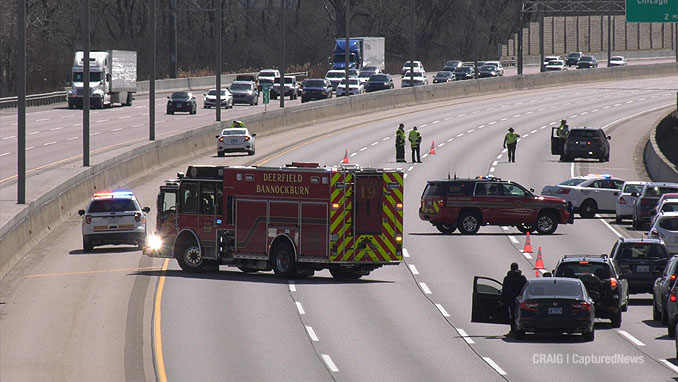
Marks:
<point>365,74</point>
<point>335,74</point>
<point>93,76</point>
<point>234,132</point>
<point>581,268</point>
<point>463,69</point>
<point>617,59</point>
<point>213,92</point>
<point>112,205</point>
<point>586,58</point>
<point>414,74</point>
<point>314,83</point>
<point>378,78</point>
<point>341,57</point>
<point>631,188</point>
<point>555,62</point>
<point>582,133</point>
<point>452,63</point>
<point>352,81</point>
<point>572,182</point>
<point>444,74</point>
<point>267,74</point>
<point>640,251</point>
<point>487,67</point>
<point>555,288</point>
<point>242,86</point>
<point>659,191</point>
<point>180,95</point>
<point>574,55</point>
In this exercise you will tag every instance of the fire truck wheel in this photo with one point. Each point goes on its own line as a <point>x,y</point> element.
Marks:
<point>191,259</point>
<point>248,270</point>
<point>446,228</point>
<point>283,261</point>
<point>469,223</point>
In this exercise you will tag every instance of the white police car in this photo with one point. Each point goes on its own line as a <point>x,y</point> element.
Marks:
<point>113,218</point>
<point>588,194</point>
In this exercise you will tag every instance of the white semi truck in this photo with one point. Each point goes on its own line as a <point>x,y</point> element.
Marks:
<point>112,79</point>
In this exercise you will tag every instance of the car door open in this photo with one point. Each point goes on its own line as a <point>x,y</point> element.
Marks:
<point>486,302</point>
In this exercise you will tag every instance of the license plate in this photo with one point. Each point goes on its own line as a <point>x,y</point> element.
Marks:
<point>234,141</point>
<point>643,268</point>
<point>555,310</point>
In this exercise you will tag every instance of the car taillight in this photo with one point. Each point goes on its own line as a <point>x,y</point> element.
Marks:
<point>613,283</point>
<point>563,191</point>
<point>221,139</point>
<point>137,217</point>
<point>588,143</point>
<point>529,306</point>
<point>672,296</point>
<point>673,277</point>
<point>581,306</point>
<point>88,219</point>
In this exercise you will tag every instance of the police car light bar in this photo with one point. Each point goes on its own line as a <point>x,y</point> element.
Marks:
<point>117,194</point>
<point>604,176</point>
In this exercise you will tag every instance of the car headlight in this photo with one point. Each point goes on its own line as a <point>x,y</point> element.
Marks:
<point>154,242</point>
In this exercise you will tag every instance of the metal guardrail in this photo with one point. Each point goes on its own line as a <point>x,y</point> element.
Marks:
<point>57,97</point>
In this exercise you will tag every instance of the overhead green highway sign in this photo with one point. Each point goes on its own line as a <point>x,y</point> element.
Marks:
<point>652,11</point>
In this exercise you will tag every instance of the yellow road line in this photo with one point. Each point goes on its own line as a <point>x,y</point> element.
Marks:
<point>157,338</point>
<point>91,272</point>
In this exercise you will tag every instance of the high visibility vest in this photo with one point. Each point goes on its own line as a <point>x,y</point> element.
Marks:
<point>400,137</point>
<point>511,137</point>
<point>563,132</point>
<point>415,138</point>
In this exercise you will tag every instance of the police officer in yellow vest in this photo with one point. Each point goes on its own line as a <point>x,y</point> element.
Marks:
<point>415,141</point>
<point>400,143</point>
<point>510,142</point>
<point>563,131</point>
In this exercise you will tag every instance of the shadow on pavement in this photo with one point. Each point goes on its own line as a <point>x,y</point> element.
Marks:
<point>653,324</point>
<point>640,301</point>
<point>105,251</point>
<point>477,234</point>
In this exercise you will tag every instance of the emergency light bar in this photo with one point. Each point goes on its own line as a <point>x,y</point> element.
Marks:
<point>117,194</point>
<point>604,176</point>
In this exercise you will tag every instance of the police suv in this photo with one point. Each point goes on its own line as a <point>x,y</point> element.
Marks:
<point>588,194</point>
<point>113,218</point>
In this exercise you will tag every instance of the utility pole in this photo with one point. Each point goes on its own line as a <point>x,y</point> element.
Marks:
<point>85,86</point>
<point>475,37</point>
<point>218,79</point>
<point>282,67</point>
<point>413,51</point>
<point>347,23</point>
<point>173,37</point>
<point>21,101</point>
<point>520,37</point>
<point>151,75</point>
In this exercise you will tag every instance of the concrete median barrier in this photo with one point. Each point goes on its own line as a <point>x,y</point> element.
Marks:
<point>36,219</point>
<point>661,148</point>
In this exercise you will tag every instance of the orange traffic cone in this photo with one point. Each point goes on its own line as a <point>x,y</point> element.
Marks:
<point>539,264</point>
<point>528,245</point>
<point>345,161</point>
<point>432,151</point>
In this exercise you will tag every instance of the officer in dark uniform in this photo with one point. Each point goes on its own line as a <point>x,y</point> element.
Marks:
<point>400,143</point>
<point>513,284</point>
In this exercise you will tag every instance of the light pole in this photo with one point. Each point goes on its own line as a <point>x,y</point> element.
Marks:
<point>21,101</point>
<point>413,51</point>
<point>218,79</point>
<point>85,86</point>
<point>347,23</point>
<point>151,75</point>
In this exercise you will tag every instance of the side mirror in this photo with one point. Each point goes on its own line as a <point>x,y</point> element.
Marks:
<point>254,135</point>
<point>609,137</point>
<point>634,194</point>
<point>216,136</point>
<point>146,209</point>
<point>204,94</point>
<point>168,97</point>
<point>547,274</point>
<point>531,189</point>
<point>81,212</point>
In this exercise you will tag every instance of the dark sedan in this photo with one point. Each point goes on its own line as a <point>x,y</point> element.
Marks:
<point>545,305</point>
<point>181,101</point>
<point>381,81</point>
<point>488,71</point>
<point>316,88</point>
<point>442,77</point>
<point>464,73</point>
<point>587,62</point>
<point>450,66</point>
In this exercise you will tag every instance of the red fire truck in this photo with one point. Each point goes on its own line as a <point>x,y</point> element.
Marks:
<point>293,220</point>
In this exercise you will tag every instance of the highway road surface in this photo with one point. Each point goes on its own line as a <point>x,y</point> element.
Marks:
<point>66,315</point>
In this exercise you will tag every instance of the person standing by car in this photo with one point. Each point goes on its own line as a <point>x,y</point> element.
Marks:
<point>400,143</point>
<point>415,141</point>
<point>510,142</point>
<point>236,124</point>
<point>513,285</point>
<point>563,131</point>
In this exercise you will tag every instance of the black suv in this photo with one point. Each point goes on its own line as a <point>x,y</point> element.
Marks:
<point>660,291</point>
<point>181,101</point>
<point>641,260</point>
<point>605,283</point>
<point>573,58</point>
<point>316,88</point>
<point>585,142</point>
<point>587,62</point>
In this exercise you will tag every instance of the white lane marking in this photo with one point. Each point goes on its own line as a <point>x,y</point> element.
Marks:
<point>139,125</point>
<point>363,149</point>
<point>574,116</point>
<point>353,154</point>
<point>584,112</point>
<point>77,124</point>
<point>67,116</point>
<point>553,123</point>
<point>145,114</point>
<point>29,148</point>
<point>499,156</point>
<point>93,134</point>
<point>516,116</point>
<point>139,107</point>
<point>617,104</point>
<point>413,269</point>
<point>411,168</point>
<point>49,143</point>
<point>529,112</point>
<point>311,333</point>
<point>56,128</point>
<point>330,364</point>
<point>434,122</point>
<point>450,140</point>
<point>594,110</point>
<point>572,170</point>
<point>569,103</point>
<point>374,143</point>
<point>476,112</point>
<point>101,120</point>
<point>125,117</point>
<point>495,163</point>
<point>609,226</point>
<point>293,288</point>
<point>405,253</point>
<point>448,118</point>
<point>630,337</point>
<point>542,109</point>
<point>460,135</point>
<point>72,138</point>
<point>441,144</point>
<point>300,308</point>
<point>494,365</point>
<point>404,176</point>
<point>481,126</point>
<point>118,129</point>
<point>526,135</point>
<point>513,239</point>
<point>527,256</point>
<point>670,365</point>
<point>629,101</point>
<point>504,106</point>
<point>160,121</point>
<point>465,336</point>
<point>32,133</point>
<point>424,287</point>
<point>504,150</point>
<point>470,131</point>
<point>10,137</point>
<point>533,131</point>
<point>384,139</point>
<point>492,169</point>
<point>442,310</point>
<point>492,123</point>
<point>504,119</point>
<point>606,107</point>
<point>542,127</point>
<point>3,154</point>
<point>461,115</point>
<point>424,156</point>
<point>42,120</point>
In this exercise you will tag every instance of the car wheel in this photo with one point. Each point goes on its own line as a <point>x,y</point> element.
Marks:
<point>601,158</point>
<point>520,334</point>
<point>665,316</point>
<point>191,260</point>
<point>634,223</point>
<point>446,228</point>
<point>618,219</point>
<point>87,246</point>
<point>672,329</point>
<point>588,209</point>
<point>250,153</point>
<point>656,314</point>
<point>546,224</point>
<point>283,261</point>
<point>220,153</point>
<point>589,336</point>
<point>469,223</point>
<point>617,319</point>
<point>525,228</point>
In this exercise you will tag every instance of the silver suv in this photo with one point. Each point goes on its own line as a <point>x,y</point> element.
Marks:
<point>113,218</point>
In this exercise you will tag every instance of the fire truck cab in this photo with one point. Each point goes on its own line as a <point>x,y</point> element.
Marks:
<point>293,220</point>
